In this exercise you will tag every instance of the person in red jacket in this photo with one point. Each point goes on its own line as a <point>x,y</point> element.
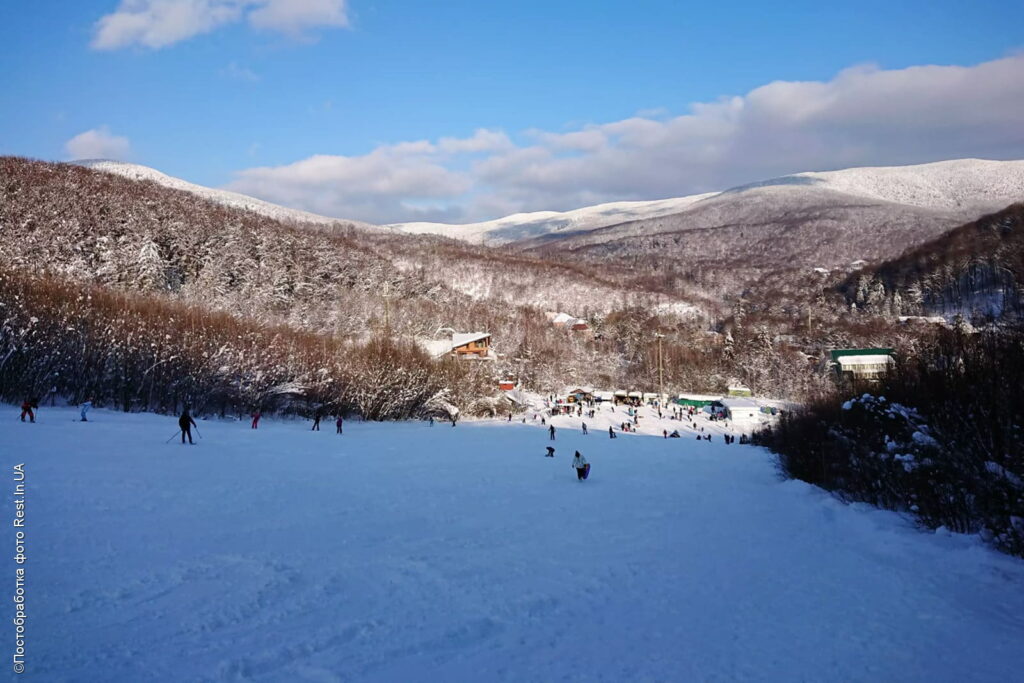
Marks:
<point>256,418</point>
<point>26,409</point>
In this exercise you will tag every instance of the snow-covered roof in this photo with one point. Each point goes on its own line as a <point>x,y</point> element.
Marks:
<point>604,395</point>
<point>563,318</point>
<point>440,347</point>
<point>635,394</point>
<point>698,397</point>
<point>739,403</point>
<point>738,387</point>
<point>876,359</point>
<point>463,338</point>
<point>436,347</point>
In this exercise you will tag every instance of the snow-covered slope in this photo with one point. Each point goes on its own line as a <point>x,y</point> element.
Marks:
<point>522,226</point>
<point>403,552</point>
<point>955,186</point>
<point>225,197</point>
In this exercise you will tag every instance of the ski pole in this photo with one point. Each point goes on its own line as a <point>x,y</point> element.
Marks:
<point>172,436</point>
<point>197,431</point>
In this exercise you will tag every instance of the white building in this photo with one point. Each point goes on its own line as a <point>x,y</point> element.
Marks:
<point>740,409</point>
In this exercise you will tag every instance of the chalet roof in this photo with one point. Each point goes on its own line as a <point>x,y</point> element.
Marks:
<point>439,347</point>
<point>463,338</point>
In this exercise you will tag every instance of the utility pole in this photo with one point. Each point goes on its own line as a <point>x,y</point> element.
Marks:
<point>661,376</point>
<point>387,310</point>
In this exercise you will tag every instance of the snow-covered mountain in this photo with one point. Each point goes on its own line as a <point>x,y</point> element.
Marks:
<point>523,226</point>
<point>225,197</point>
<point>964,187</point>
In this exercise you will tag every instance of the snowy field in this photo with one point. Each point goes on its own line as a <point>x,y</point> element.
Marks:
<point>403,552</point>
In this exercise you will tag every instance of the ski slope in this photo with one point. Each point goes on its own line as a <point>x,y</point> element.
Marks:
<point>404,552</point>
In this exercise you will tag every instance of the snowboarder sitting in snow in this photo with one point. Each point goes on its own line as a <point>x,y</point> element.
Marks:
<point>186,423</point>
<point>26,409</point>
<point>580,463</point>
<point>550,453</point>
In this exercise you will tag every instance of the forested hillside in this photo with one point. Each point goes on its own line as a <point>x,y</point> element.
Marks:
<point>749,313</point>
<point>976,271</point>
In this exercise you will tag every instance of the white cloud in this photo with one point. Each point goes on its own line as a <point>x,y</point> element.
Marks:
<point>401,178</point>
<point>237,72</point>
<point>98,143</point>
<point>158,23</point>
<point>863,116</point>
<point>294,17</point>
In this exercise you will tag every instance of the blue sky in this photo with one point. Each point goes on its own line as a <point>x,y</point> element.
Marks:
<point>301,101</point>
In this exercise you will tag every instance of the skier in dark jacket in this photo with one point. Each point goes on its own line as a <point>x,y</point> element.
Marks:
<point>186,423</point>
<point>26,409</point>
<point>339,423</point>
<point>316,422</point>
<point>551,431</point>
<point>611,433</point>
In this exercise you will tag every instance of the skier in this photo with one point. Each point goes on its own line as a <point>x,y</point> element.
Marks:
<point>580,463</point>
<point>316,422</point>
<point>664,433</point>
<point>26,409</point>
<point>551,432</point>
<point>338,423</point>
<point>85,408</point>
<point>256,418</point>
<point>510,417</point>
<point>550,453</point>
<point>186,423</point>
<point>584,429</point>
<point>431,420</point>
<point>611,433</point>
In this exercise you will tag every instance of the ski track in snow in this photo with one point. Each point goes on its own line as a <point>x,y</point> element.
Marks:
<point>401,552</point>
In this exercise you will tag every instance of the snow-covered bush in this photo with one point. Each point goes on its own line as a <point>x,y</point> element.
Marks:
<point>942,440</point>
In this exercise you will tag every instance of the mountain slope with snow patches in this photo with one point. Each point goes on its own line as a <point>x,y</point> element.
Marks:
<point>961,189</point>
<point>522,226</point>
